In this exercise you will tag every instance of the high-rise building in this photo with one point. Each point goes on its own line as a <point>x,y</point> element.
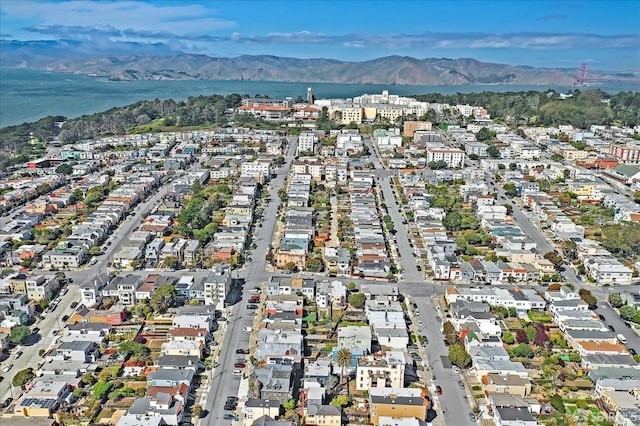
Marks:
<point>310,97</point>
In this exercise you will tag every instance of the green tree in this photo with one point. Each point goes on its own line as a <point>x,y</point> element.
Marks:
<point>344,359</point>
<point>196,411</point>
<point>622,238</point>
<point>508,338</point>
<point>314,264</point>
<point>23,377</point>
<point>554,258</point>
<point>557,403</point>
<point>522,351</point>
<point>588,298</point>
<point>19,334</point>
<point>101,389</point>
<point>484,134</point>
<point>357,300</point>
<point>88,379</point>
<point>459,356</point>
<point>129,348</point>
<point>340,401</point>
<point>494,152</point>
<point>289,405</point>
<point>628,312</point>
<point>615,300</point>
<point>452,221</point>
<point>64,169</point>
<point>437,165</point>
<point>171,262</point>
<point>162,298</point>
<point>570,250</point>
<point>531,332</point>
<point>76,196</point>
<point>582,404</point>
<point>510,189</point>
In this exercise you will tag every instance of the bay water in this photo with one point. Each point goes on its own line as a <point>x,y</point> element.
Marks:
<point>27,96</point>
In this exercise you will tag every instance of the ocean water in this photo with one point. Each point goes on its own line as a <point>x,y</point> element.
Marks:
<point>27,96</point>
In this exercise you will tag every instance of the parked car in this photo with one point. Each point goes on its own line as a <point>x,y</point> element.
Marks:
<point>73,305</point>
<point>65,317</point>
<point>473,418</point>
<point>438,390</point>
<point>247,328</point>
<point>7,368</point>
<point>252,306</point>
<point>237,372</point>
<point>7,402</point>
<point>242,351</point>
<point>228,416</point>
<point>18,354</point>
<point>239,365</point>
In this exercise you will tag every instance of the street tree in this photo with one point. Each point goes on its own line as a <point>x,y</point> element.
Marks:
<point>19,334</point>
<point>23,377</point>
<point>196,411</point>
<point>554,258</point>
<point>588,298</point>
<point>459,356</point>
<point>615,300</point>
<point>510,189</point>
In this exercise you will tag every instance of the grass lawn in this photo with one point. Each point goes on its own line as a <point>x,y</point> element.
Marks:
<point>537,316</point>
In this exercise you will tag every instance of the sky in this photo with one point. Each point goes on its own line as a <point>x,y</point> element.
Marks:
<point>555,34</point>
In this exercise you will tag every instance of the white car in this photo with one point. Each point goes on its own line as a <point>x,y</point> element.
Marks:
<point>237,372</point>
<point>248,329</point>
<point>7,368</point>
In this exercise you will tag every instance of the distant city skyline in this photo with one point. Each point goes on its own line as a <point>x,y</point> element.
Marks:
<point>555,34</point>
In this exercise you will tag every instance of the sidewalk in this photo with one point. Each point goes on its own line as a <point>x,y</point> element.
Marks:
<point>206,383</point>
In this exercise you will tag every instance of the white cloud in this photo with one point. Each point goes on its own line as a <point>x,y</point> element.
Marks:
<point>139,16</point>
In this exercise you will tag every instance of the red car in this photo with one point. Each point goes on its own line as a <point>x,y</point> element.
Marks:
<point>239,365</point>
<point>438,390</point>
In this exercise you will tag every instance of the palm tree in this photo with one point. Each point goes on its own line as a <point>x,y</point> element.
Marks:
<point>344,359</point>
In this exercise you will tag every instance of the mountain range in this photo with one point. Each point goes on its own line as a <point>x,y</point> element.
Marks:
<point>153,62</point>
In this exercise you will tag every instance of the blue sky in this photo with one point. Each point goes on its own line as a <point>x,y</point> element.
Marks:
<point>563,34</point>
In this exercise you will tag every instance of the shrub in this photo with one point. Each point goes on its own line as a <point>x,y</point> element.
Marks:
<point>557,403</point>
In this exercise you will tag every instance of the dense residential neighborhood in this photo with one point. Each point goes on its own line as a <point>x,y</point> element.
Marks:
<point>375,260</point>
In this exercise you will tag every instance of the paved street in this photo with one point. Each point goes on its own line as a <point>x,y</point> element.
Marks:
<point>224,382</point>
<point>452,405</point>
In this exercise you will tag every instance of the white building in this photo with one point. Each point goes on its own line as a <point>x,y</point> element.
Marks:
<point>385,371</point>
<point>307,142</point>
<point>454,157</point>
